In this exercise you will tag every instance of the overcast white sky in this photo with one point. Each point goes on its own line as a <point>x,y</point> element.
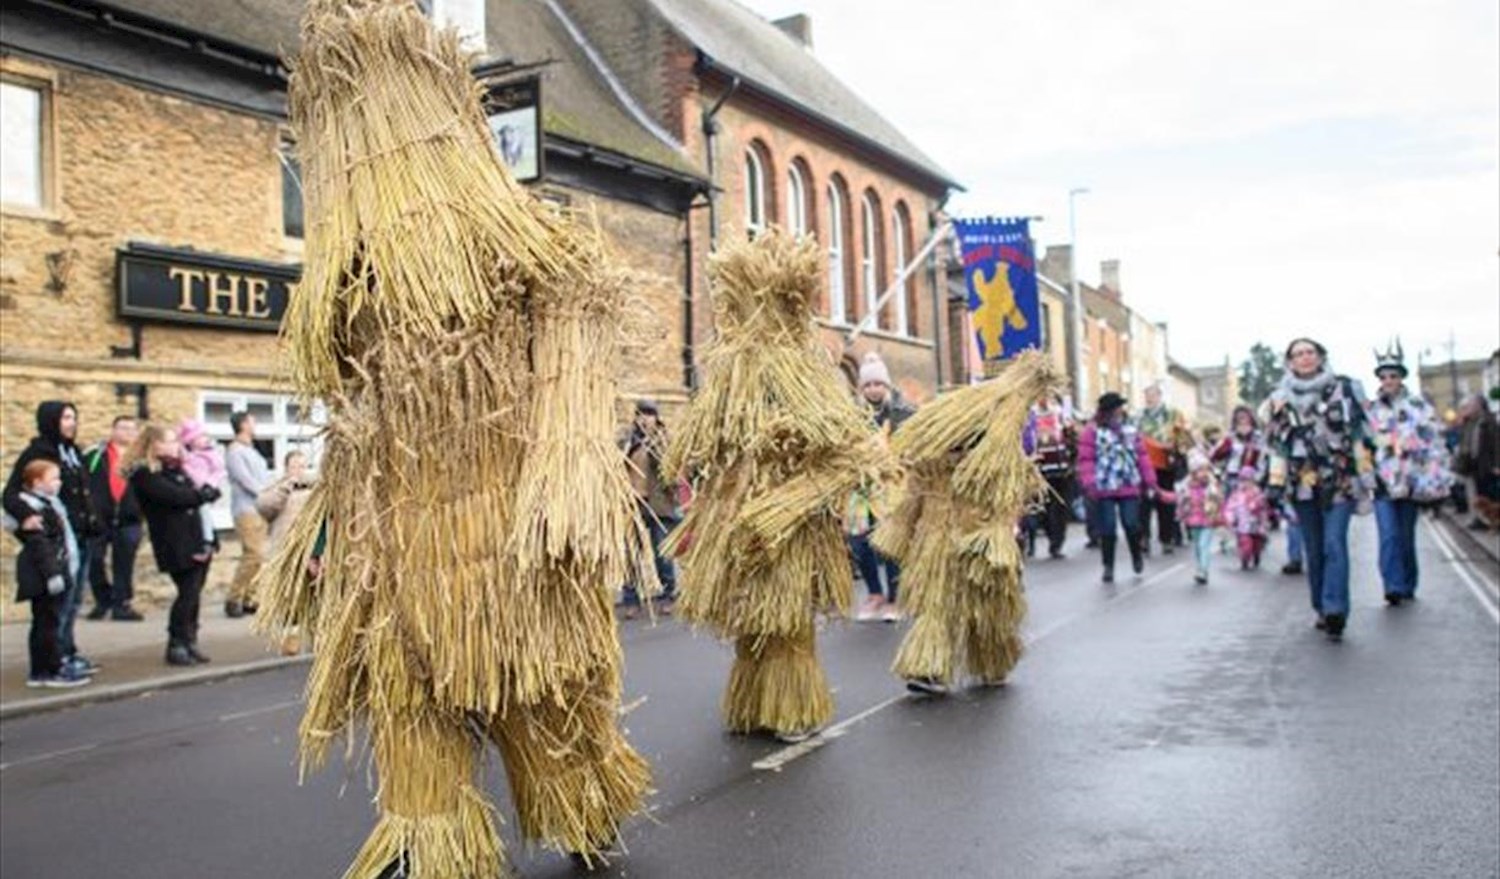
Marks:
<point>1262,170</point>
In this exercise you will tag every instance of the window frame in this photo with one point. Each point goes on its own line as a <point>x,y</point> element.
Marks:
<point>838,258</point>
<point>287,164</point>
<point>44,82</point>
<point>901,240</point>
<point>757,200</point>
<point>872,255</point>
<point>796,200</point>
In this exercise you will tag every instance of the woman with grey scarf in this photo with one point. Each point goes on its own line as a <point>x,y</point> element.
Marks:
<point>1321,448</point>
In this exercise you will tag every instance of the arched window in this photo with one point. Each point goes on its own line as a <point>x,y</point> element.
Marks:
<point>796,200</point>
<point>838,257</point>
<point>755,192</point>
<point>906,300</point>
<point>872,253</point>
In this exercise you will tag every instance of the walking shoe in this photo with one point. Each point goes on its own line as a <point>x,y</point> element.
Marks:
<point>1167,549</point>
<point>665,607</point>
<point>1138,565</point>
<point>177,654</point>
<point>792,737</point>
<point>127,615</point>
<point>35,682</point>
<point>1292,569</point>
<point>1109,576</point>
<point>926,686</point>
<point>197,655</point>
<point>234,609</point>
<point>1200,579</point>
<point>1322,623</point>
<point>250,608</point>
<point>1057,555</point>
<point>97,612</point>
<point>631,611</point>
<point>1479,525</point>
<point>869,609</point>
<point>891,613</point>
<point>1335,627</point>
<point>81,664</point>
<point>65,679</point>
<point>1393,599</point>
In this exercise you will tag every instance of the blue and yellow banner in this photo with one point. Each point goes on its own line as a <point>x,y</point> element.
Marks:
<point>1000,268</point>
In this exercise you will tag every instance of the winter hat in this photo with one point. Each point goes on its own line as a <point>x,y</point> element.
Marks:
<point>873,371</point>
<point>1196,460</point>
<point>646,406</point>
<point>189,431</point>
<point>1110,402</point>
<point>1247,473</point>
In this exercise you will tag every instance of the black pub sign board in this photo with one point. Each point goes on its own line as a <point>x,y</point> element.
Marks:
<point>174,285</point>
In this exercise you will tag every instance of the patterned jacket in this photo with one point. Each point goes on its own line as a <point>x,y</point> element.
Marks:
<point>1321,443</point>
<point>1411,462</point>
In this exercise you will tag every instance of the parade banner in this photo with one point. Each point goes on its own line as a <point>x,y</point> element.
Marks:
<point>1000,270</point>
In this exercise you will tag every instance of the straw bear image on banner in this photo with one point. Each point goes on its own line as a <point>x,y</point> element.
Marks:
<point>997,306</point>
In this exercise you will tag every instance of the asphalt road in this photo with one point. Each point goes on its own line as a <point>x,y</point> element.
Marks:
<point>1154,729</point>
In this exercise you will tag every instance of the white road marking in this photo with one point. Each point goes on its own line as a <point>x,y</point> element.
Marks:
<point>1462,567</point>
<point>51,755</point>
<point>240,715</point>
<point>777,759</point>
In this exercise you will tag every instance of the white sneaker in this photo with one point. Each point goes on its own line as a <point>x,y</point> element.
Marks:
<point>891,613</point>
<point>793,737</point>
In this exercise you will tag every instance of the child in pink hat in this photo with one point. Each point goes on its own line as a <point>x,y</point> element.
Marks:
<point>1248,514</point>
<point>203,462</point>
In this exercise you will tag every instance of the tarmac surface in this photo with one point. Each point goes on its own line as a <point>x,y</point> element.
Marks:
<point>1155,728</point>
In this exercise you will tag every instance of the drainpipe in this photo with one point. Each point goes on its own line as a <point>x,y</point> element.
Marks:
<point>689,370</point>
<point>939,283</point>
<point>710,133</point>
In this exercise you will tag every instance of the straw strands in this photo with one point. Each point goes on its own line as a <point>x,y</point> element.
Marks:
<point>774,444</point>
<point>954,531</point>
<point>474,514</point>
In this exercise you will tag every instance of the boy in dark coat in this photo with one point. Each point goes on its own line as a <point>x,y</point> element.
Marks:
<point>44,572</point>
<point>57,428</point>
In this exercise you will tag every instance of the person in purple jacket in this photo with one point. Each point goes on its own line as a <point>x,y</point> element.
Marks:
<point>1116,474</point>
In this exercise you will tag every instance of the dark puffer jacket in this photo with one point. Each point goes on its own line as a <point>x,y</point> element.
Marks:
<point>50,445</point>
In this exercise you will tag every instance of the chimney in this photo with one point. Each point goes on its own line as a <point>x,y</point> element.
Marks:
<point>1109,276</point>
<point>1056,264</point>
<point>798,27</point>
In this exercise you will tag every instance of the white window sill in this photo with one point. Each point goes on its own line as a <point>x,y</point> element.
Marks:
<point>30,212</point>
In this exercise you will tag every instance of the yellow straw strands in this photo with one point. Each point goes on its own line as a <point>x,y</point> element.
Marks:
<point>474,517</point>
<point>774,444</point>
<point>954,530</point>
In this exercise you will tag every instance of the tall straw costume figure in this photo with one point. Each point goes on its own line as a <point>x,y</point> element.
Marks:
<point>954,530</point>
<point>774,444</point>
<point>472,517</point>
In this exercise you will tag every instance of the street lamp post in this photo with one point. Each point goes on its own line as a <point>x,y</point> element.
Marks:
<point>1075,304</point>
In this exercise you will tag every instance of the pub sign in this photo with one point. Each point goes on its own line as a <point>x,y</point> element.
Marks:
<point>192,287</point>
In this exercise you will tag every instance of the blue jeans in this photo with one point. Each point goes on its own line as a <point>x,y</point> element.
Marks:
<point>1397,521</point>
<point>1325,549</point>
<point>67,610</point>
<point>868,561</point>
<point>1293,542</point>
<point>1124,510</point>
<point>1203,547</point>
<point>665,571</point>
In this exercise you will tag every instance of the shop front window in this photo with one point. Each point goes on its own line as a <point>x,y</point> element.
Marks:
<point>281,426</point>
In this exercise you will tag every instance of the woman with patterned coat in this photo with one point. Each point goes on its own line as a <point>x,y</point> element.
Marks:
<point>1115,472</point>
<point>1319,436</point>
<point>1411,469</point>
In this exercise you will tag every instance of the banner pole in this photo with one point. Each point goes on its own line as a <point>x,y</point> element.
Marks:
<point>911,267</point>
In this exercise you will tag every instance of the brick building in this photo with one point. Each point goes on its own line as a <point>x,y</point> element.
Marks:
<point>787,143</point>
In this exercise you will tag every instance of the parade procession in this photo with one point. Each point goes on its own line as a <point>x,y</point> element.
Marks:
<point>577,438</point>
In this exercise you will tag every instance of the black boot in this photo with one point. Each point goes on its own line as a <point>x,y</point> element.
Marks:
<point>234,609</point>
<point>1137,556</point>
<point>197,655</point>
<point>1107,552</point>
<point>177,654</point>
<point>1334,626</point>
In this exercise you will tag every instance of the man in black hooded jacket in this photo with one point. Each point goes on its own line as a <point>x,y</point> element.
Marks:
<point>57,428</point>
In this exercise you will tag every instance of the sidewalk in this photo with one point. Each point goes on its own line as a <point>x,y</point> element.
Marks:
<point>131,659</point>
<point>1477,545</point>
